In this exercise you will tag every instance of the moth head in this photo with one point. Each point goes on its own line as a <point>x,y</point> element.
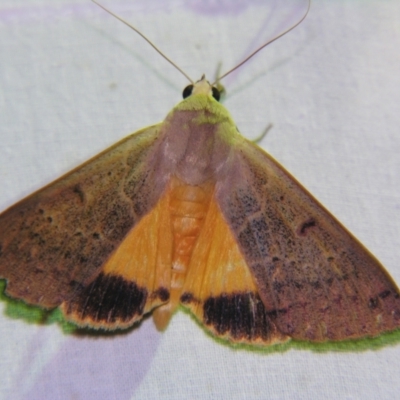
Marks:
<point>202,86</point>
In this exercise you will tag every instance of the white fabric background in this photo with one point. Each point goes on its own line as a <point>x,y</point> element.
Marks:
<point>73,81</point>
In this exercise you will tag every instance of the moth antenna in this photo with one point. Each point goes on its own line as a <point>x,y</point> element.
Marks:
<point>263,134</point>
<point>146,39</point>
<point>265,45</point>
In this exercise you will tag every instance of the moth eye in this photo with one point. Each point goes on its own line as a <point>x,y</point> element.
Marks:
<point>216,93</point>
<point>187,91</point>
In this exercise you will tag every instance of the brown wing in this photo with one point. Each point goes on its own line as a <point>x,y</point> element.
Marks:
<point>54,243</point>
<point>316,280</point>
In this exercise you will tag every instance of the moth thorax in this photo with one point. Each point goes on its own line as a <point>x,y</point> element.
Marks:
<point>188,208</point>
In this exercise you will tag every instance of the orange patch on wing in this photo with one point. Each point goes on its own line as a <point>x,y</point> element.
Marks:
<point>220,291</point>
<point>134,280</point>
<point>145,254</point>
<point>217,265</point>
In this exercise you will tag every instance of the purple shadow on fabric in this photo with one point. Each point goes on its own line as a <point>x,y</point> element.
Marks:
<point>104,367</point>
<point>55,12</point>
<point>221,7</point>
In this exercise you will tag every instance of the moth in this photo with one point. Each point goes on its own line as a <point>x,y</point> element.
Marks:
<point>190,213</point>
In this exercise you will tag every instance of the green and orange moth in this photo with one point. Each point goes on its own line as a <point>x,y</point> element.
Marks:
<point>188,212</point>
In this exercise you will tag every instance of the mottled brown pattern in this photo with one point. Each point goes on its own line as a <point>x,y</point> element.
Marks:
<point>316,280</point>
<point>55,242</point>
